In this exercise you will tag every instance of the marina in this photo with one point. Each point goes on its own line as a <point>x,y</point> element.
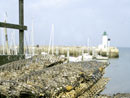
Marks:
<point>30,70</point>
<point>72,53</point>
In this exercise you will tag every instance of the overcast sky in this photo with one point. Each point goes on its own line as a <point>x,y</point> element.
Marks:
<point>75,20</point>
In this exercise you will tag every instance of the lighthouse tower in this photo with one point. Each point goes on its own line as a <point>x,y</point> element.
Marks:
<point>105,40</point>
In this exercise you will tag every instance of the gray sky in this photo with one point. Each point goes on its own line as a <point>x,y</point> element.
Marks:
<point>74,20</point>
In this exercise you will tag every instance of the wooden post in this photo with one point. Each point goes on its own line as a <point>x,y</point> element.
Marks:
<point>21,22</point>
<point>21,29</point>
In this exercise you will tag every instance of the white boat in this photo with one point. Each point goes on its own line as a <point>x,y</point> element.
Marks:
<point>72,59</point>
<point>98,57</point>
<point>84,57</point>
<point>87,57</point>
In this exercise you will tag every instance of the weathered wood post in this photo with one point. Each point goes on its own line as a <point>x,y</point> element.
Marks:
<point>21,29</point>
<point>21,22</point>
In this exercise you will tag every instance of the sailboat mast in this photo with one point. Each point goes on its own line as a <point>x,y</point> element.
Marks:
<point>88,44</point>
<point>11,48</point>
<point>49,48</point>
<point>14,47</point>
<point>6,36</point>
<point>52,39</point>
<point>32,37</point>
<point>51,42</point>
<point>3,43</point>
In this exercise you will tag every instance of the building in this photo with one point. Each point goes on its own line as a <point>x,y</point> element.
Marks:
<point>105,41</point>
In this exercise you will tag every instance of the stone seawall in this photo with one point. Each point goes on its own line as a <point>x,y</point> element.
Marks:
<point>111,52</point>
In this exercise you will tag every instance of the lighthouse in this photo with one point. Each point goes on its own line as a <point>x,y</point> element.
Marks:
<point>104,40</point>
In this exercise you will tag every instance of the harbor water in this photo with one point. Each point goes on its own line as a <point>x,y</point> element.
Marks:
<point>119,73</point>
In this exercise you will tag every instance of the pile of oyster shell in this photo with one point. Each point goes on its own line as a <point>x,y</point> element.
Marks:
<point>50,76</point>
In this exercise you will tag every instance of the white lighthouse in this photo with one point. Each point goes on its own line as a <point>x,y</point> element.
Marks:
<point>104,40</point>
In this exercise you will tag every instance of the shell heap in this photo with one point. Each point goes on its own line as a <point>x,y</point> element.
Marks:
<point>51,77</point>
